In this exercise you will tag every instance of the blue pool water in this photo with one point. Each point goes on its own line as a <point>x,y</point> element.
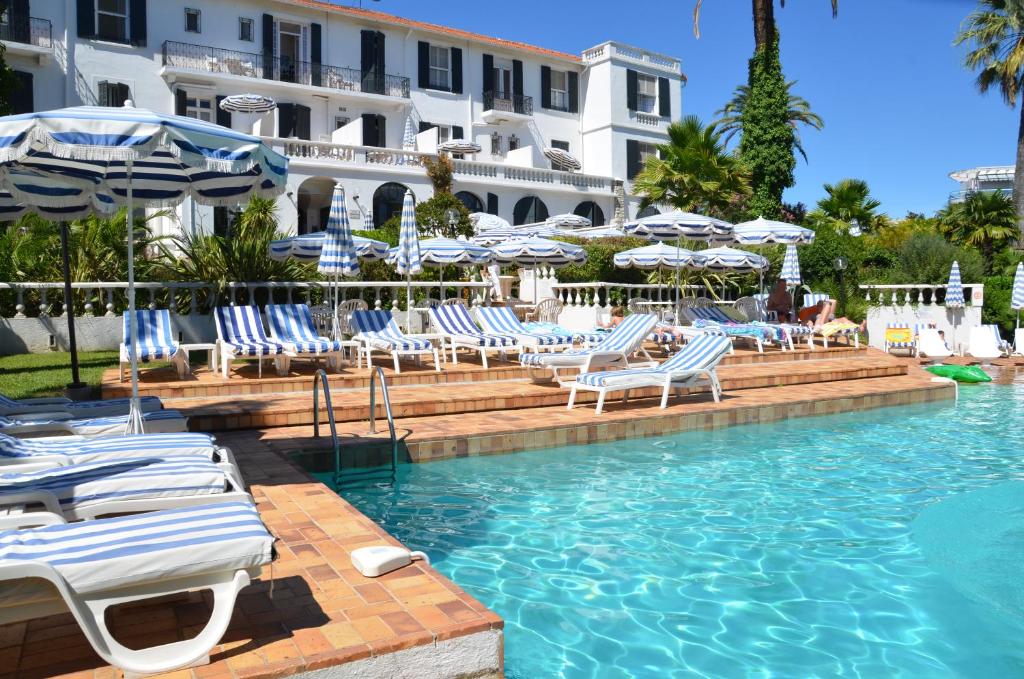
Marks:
<point>865,545</point>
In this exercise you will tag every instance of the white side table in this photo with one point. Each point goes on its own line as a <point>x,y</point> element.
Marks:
<point>434,337</point>
<point>201,346</point>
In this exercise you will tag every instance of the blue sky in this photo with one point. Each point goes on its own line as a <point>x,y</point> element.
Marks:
<point>899,110</point>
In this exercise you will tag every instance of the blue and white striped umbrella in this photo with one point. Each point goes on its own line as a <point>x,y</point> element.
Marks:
<point>678,224</point>
<point>338,256</point>
<point>307,248</point>
<point>445,251</point>
<point>408,260</point>
<point>1017,299</point>
<point>731,259</point>
<point>658,256</point>
<point>494,236</point>
<point>954,288</point>
<point>762,231</point>
<point>791,267</point>
<point>567,221</point>
<point>484,221</point>
<point>255,104</point>
<point>535,251</point>
<point>409,134</point>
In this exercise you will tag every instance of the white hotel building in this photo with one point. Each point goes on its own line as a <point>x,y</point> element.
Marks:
<point>346,80</point>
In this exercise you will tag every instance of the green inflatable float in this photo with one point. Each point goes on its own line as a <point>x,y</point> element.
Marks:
<point>960,373</point>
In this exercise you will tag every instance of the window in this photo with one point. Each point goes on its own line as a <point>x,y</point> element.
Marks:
<point>192,20</point>
<point>112,20</point>
<point>559,91</point>
<point>200,108</point>
<point>646,151</point>
<point>341,121</point>
<point>513,142</point>
<point>495,144</point>
<point>387,202</point>
<point>112,94</point>
<point>440,72</point>
<point>471,201</point>
<point>529,210</point>
<point>245,29</point>
<point>647,94</point>
<point>591,211</point>
<point>558,144</point>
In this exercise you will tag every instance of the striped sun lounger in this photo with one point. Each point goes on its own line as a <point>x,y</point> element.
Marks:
<point>155,341</point>
<point>156,422</point>
<point>377,330</point>
<point>85,491</point>
<point>501,320</point>
<point>240,333</point>
<point>694,363</point>
<point>77,409</point>
<point>457,326</point>
<point>84,568</point>
<point>612,351</point>
<point>292,325</point>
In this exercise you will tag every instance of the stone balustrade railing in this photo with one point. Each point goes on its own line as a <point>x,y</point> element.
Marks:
<point>919,294</point>
<point>600,294</point>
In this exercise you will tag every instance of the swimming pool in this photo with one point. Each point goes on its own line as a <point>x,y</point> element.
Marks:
<point>868,544</point>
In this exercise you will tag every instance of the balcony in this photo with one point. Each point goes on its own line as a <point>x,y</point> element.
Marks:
<point>961,196</point>
<point>28,36</point>
<point>179,56</point>
<point>502,107</point>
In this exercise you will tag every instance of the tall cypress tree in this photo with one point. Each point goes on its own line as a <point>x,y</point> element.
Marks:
<point>768,139</point>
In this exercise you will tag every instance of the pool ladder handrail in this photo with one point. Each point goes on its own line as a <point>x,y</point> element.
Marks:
<point>378,372</point>
<point>320,378</point>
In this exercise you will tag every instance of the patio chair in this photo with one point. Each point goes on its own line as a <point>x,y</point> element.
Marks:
<point>155,341</point>
<point>899,337</point>
<point>500,320</point>
<point>50,424</point>
<point>240,333</point>
<point>1005,347</point>
<point>931,344</point>
<point>612,351</point>
<point>292,325</point>
<point>547,311</point>
<point>345,310</point>
<point>982,344</point>
<point>86,568</point>
<point>377,330</point>
<point>457,326</point>
<point>76,409</point>
<point>712,318</point>
<point>130,486</point>
<point>695,363</point>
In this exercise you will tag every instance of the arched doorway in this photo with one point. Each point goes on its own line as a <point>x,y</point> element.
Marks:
<point>314,204</point>
<point>529,210</point>
<point>648,211</point>
<point>387,202</point>
<point>471,201</point>
<point>591,211</point>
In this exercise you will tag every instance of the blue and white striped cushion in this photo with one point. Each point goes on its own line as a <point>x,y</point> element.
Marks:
<point>455,320</point>
<point>91,483</point>
<point>112,448</point>
<point>293,324</point>
<point>815,298</point>
<point>106,554</point>
<point>242,328</point>
<point>83,408</point>
<point>701,353</point>
<point>624,338</point>
<point>381,328</point>
<point>153,332</point>
<point>589,337</point>
<point>500,320</point>
<point>662,337</point>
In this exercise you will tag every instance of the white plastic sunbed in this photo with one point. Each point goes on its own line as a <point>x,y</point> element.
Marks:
<point>86,491</point>
<point>155,422</point>
<point>88,567</point>
<point>693,364</point>
<point>457,326</point>
<point>983,345</point>
<point>501,320</point>
<point>292,325</point>
<point>377,330</point>
<point>240,333</point>
<point>612,351</point>
<point>154,341</point>
<point>930,344</point>
<point>77,409</point>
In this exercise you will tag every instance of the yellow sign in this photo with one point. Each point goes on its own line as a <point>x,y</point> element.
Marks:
<point>898,335</point>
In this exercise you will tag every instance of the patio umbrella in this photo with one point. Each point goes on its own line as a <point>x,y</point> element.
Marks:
<point>677,225</point>
<point>409,135</point>
<point>731,259</point>
<point>955,294</point>
<point>495,236</point>
<point>459,146</point>
<point>407,260</point>
<point>597,232</point>
<point>484,221</point>
<point>442,252</point>
<point>568,221</point>
<point>535,251</point>
<point>338,256</point>
<point>791,271</point>
<point>562,158</point>
<point>252,106</point>
<point>307,248</point>
<point>762,231</point>
<point>92,154</point>
<point>1017,299</point>
<point>659,256</point>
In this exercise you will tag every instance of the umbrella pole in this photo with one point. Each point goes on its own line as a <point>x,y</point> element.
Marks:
<point>678,288</point>
<point>134,425</point>
<point>408,302</point>
<point>69,309</point>
<point>440,278</point>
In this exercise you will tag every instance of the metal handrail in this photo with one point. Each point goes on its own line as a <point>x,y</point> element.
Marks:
<point>320,378</point>
<point>379,374</point>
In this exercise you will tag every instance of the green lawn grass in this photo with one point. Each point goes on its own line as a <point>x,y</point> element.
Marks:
<point>35,375</point>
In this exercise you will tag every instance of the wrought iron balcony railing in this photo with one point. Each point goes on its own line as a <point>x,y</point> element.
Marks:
<point>510,103</point>
<point>27,30</point>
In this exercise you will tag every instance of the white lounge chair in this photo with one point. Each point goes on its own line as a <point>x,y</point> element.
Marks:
<point>982,344</point>
<point>129,486</point>
<point>500,320</point>
<point>456,325</point>
<point>717,320</point>
<point>58,424</point>
<point>693,364</point>
<point>88,567</point>
<point>931,344</point>
<point>76,409</point>
<point>292,325</point>
<point>613,350</point>
<point>240,333</point>
<point>1018,342</point>
<point>155,341</point>
<point>377,330</point>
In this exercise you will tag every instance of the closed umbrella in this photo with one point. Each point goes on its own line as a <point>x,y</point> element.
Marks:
<point>407,260</point>
<point>442,252</point>
<point>1017,299</point>
<point>535,251</point>
<point>338,256</point>
<point>409,135</point>
<point>791,271</point>
<point>126,155</point>
<point>955,295</point>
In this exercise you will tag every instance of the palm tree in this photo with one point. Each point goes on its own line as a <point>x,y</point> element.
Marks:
<point>798,112</point>
<point>985,220</point>
<point>693,171</point>
<point>995,32</point>
<point>849,200</point>
<point>764,20</point>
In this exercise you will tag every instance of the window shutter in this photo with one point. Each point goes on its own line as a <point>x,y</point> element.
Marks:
<point>103,93</point>
<point>137,17</point>
<point>86,18</point>
<point>369,129</point>
<point>492,204</point>
<point>545,87</point>
<point>268,47</point>
<point>122,94</point>
<point>517,77</point>
<point>457,132</point>
<point>488,73</point>
<point>181,102</point>
<point>424,70</point>
<point>316,76</point>
<point>223,117</point>
<point>424,125</point>
<point>378,62</point>
<point>22,98</point>
<point>18,18</point>
<point>301,121</point>
<point>456,70</point>
<point>285,120</point>
<point>632,85</point>
<point>368,60</point>
<point>664,98</point>
<point>382,129</point>
<point>574,92</point>
<point>632,158</point>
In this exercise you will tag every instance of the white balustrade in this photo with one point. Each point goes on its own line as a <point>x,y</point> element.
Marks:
<point>919,294</point>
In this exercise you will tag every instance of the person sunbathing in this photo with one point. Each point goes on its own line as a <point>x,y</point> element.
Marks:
<point>823,313</point>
